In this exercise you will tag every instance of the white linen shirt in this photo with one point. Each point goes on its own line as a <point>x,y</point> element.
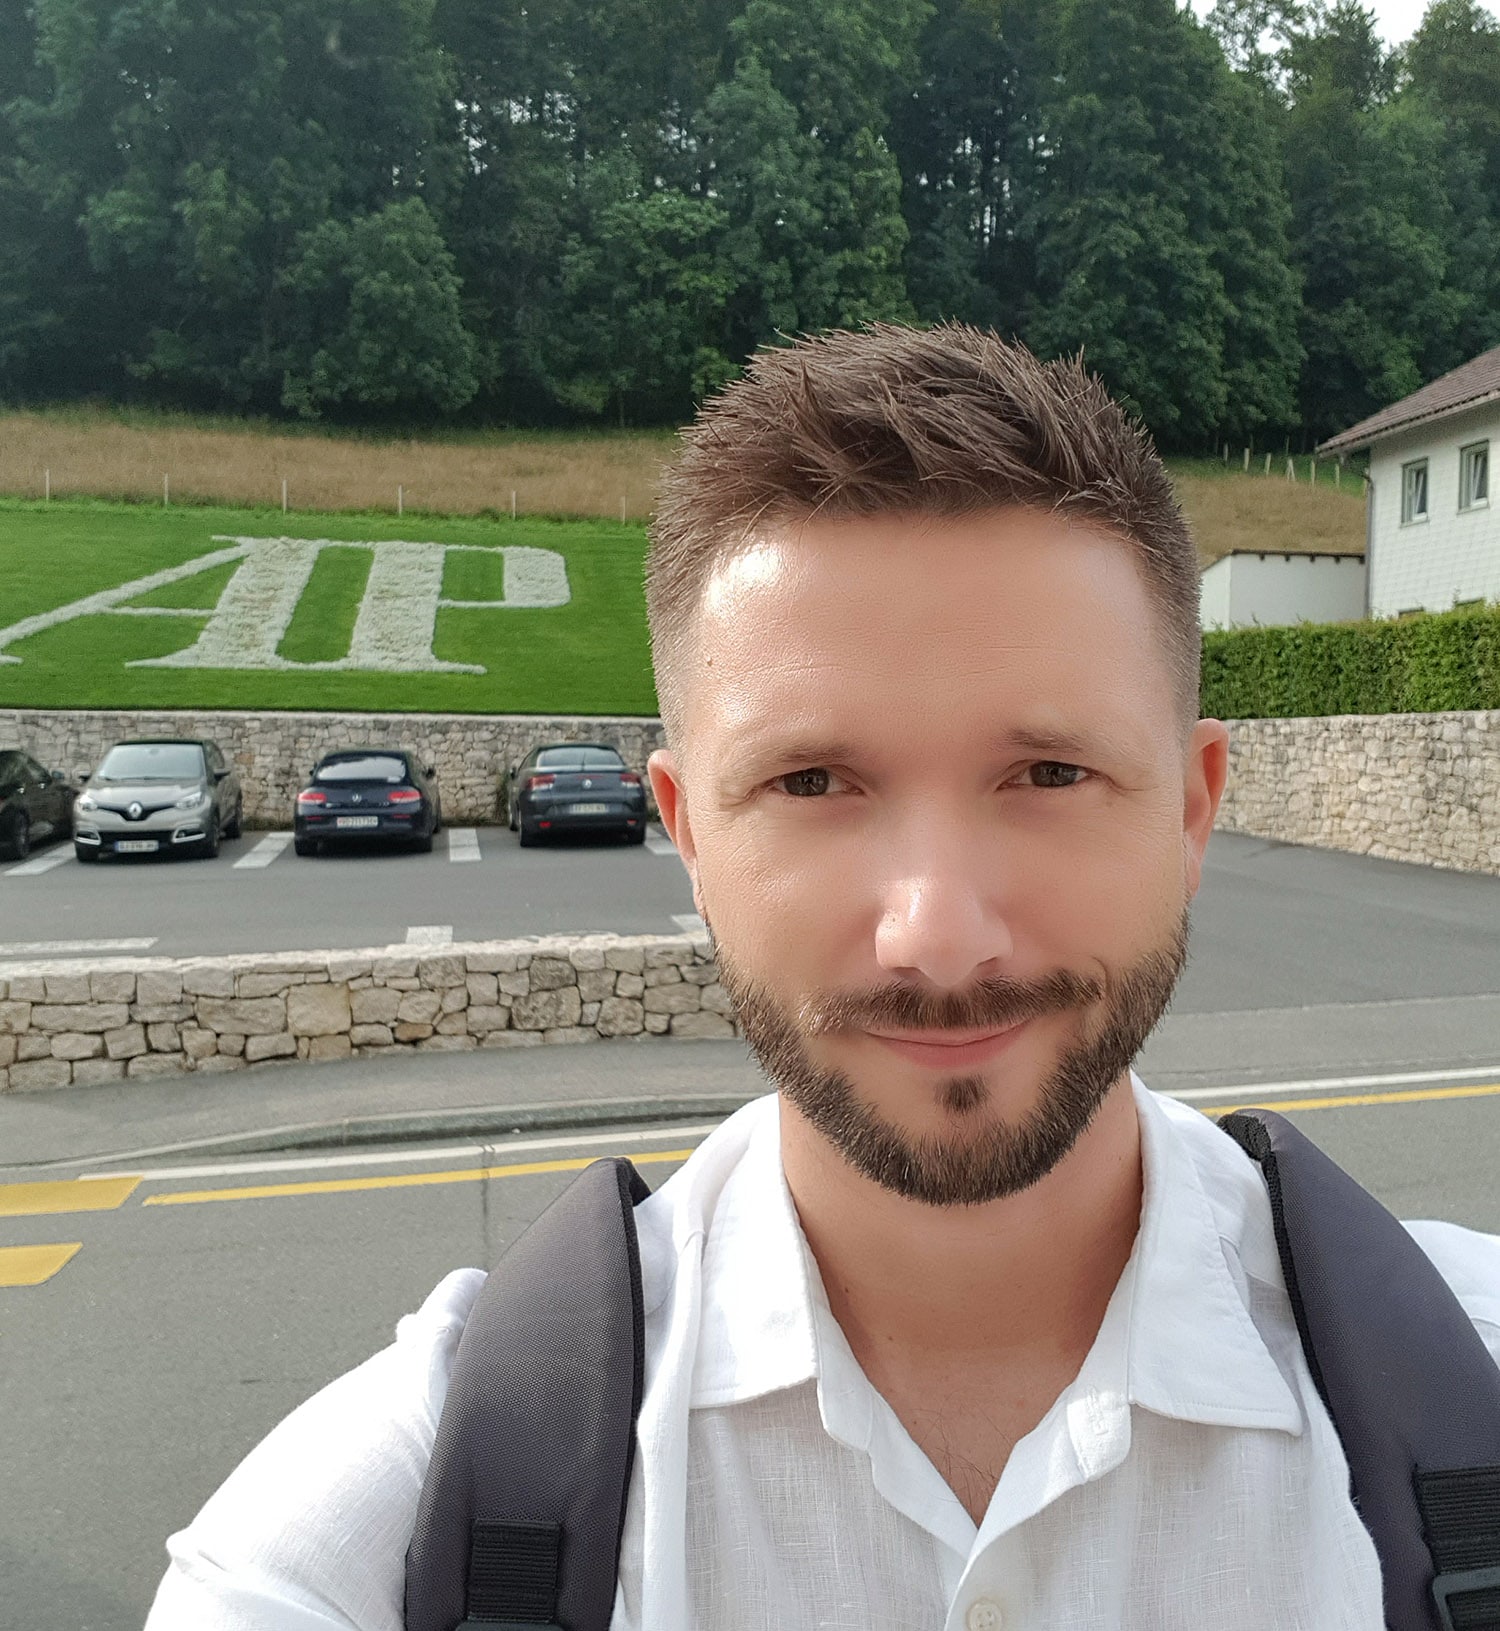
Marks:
<point>1188,1478</point>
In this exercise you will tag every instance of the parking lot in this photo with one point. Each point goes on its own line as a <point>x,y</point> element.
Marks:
<point>258,895</point>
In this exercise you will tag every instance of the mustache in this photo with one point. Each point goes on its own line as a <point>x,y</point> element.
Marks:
<point>996,1003</point>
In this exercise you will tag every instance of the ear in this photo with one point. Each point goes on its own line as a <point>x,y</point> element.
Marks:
<point>671,801</point>
<point>1206,769</point>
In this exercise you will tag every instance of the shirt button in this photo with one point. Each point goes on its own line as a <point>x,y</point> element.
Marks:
<point>984,1615</point>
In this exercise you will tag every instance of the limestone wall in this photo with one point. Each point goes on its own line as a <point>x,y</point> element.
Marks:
<point>1413,787</point>
<point>274,752</point>
<point>74,1023</point>
<point>1410,787</point>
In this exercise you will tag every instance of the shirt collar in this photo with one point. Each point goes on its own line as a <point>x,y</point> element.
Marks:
<point>1177,1338</point>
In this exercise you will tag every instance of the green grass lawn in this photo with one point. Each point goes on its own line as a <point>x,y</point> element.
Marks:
<point>589,656</point>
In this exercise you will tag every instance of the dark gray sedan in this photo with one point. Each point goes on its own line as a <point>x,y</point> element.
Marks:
<point>575,787</point>
<point>35,804</point>
<point>362,793</point>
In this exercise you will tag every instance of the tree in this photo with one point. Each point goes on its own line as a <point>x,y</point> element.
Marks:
<point>1126,253</point>
<point>972,150</point>
<point>797,156</point>
<point>375,317</point>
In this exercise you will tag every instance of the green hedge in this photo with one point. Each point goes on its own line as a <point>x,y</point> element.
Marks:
<point>1427,664</point>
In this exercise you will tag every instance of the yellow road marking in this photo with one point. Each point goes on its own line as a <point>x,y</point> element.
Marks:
<point>70,1195</point>
<point>402,1180</point>
<point>1413,1095</point>
<point>32,1265</point>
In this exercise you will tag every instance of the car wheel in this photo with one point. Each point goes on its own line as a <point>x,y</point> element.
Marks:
<point>235,827</point>
<point>529,836</point>
<point>211,842</point>
<point>19,842</point>
<point>511,822</point>
<point>422,844</point>
<point>86,852</point>
<point>635,835</point>
<point>307,846</point>
<point>437,820</point>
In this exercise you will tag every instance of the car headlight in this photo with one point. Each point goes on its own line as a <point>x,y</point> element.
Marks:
<point>87,803</point>
<point>191,801</point>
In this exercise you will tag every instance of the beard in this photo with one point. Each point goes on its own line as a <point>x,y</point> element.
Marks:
<point>981,1160</point>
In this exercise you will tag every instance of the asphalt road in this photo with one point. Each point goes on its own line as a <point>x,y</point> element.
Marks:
<point>259,895</point>
<point>191,1319</point>
<point>1274,925</point>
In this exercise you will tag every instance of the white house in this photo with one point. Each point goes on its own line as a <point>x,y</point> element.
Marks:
<point>1432,536</point>
<point>1269,587</point>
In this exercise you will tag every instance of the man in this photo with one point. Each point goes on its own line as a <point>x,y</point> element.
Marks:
<point>963,1328</point>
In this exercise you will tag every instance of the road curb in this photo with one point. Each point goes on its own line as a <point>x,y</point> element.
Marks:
<point>400,1126</point>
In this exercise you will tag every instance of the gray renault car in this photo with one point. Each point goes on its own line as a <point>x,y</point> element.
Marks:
<point>155,796</point>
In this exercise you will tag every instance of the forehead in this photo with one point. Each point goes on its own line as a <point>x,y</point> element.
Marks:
<point>1012,611</point>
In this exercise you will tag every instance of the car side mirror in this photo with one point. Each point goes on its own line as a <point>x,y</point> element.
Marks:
<point>432,770</point>
<point>219,775</point>
<point>511,771</point>
<point>83,775</point>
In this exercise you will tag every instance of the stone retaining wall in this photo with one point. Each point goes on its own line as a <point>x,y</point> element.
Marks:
<point>1409,787</point>
<point>274,752</point>
<point>1413,787</point>
<point>74,1024</point>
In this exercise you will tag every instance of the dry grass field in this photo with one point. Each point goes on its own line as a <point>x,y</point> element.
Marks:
<point>104,454</point>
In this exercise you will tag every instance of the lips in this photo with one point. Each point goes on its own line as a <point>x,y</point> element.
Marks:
<point>948,1050</point>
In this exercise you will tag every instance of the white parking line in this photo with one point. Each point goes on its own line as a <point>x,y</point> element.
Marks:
<point>690,923</point>
<point>265,851</point>
<point>41,863</point>
<point>430,934</point>
<point>463,844</point>
<point>658,842</point>
<point>61,948</point>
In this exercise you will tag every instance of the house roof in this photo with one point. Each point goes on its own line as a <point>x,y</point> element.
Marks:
<point>1465,387</point>
<point>1288,552</point>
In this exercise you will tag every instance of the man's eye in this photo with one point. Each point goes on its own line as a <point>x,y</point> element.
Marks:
<point>806,784</point>
<point>1050,773</point>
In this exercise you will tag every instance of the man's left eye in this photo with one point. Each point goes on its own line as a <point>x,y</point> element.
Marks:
<point>1051,773</point>
<point>810,783</point>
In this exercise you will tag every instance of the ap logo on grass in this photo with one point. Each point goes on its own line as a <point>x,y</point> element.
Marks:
<point>393,632</point>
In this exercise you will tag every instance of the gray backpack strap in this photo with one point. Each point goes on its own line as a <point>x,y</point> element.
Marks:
<point>1411,1388</point>
<point>523,1505</point>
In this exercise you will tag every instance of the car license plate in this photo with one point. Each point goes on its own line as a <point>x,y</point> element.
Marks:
<point>587,809</point>
<point>138,846</point>
<point>356,821</point>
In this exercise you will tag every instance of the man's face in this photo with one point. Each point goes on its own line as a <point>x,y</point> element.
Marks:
<point>933,792</point>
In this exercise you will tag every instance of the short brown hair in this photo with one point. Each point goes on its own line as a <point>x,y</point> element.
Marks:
<point>944,421</point>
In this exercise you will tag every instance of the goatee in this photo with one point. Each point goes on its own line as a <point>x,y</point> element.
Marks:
<point>979,1161</point>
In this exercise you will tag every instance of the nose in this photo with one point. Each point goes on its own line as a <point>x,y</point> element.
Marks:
<point>941,921</point>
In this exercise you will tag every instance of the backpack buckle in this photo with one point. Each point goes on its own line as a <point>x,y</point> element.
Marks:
<point>1459,1583</point>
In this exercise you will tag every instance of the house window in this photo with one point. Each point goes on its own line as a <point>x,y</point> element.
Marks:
<point>1474,476</point>
<point>1414,491</point>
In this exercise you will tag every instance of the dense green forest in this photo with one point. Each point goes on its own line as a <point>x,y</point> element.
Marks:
<point>1258,228</point>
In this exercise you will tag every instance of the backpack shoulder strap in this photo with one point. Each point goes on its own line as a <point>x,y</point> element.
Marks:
<point>523,1505</point>
<point>1411,1388</point>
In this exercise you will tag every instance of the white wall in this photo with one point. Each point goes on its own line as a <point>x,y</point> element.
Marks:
<point>1453,555</point>
<point>1274,590</point>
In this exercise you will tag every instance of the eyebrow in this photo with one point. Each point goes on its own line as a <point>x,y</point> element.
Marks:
<point>765,754</point>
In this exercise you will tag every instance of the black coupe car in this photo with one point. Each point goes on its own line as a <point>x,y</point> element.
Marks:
<point>362,793</point>
<point>575,787</point>
<point>35,804</point>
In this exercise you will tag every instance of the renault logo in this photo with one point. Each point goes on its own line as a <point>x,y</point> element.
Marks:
<point>135,812</point>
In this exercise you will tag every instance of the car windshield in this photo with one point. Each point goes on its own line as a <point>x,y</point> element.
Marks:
<point>152,761</point>
<point>361,767</point>
<point>580,759</point>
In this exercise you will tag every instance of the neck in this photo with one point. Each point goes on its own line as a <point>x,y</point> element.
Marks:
<point>1028,1276</point>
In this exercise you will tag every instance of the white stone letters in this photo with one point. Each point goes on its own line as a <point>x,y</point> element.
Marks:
<point>393,632</point>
